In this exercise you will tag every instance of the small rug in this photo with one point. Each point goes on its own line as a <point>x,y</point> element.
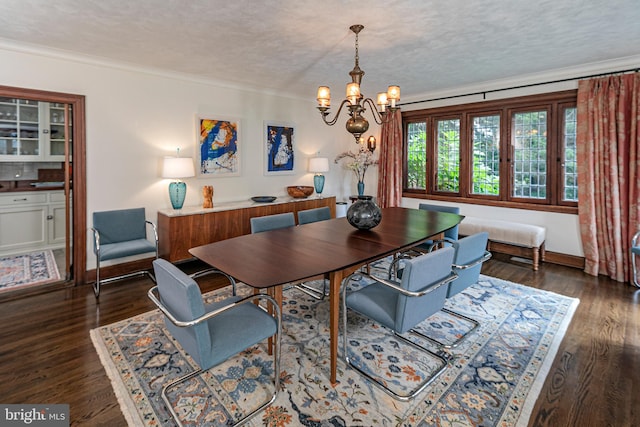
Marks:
<point>493,377</point>
<point>35,268</point>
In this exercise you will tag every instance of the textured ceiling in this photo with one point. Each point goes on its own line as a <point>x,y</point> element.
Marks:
<point>293,46</point>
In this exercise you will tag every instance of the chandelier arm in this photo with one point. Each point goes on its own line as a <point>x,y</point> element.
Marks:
<point>335,118</point>
<point>374,111</point>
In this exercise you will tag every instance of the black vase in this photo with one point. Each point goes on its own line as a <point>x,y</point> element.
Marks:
<point>364,214</point>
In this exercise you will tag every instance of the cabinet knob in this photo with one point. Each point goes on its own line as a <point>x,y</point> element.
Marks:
<point>49,216</point>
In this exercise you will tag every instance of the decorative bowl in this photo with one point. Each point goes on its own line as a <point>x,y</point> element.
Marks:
<point>300,191</point>
<point>263,199</point>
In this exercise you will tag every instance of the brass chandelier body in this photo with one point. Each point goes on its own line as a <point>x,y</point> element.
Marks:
<point>356,103</point>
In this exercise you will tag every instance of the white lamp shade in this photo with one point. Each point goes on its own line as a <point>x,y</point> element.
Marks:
<point>318,164</point>
<point>178,167</point>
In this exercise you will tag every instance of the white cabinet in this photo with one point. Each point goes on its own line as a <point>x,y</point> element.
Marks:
<point>31,220</point>
<point>31,130</point>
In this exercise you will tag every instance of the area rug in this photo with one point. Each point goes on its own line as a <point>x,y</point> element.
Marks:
<point>35,268</point>
<point>493,377</point>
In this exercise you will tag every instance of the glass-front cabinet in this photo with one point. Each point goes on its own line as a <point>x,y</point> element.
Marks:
<point>32,130</point>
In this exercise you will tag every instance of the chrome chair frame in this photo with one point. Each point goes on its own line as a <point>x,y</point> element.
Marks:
<point>475,323</point>
<point>98,282</point>
<point>394,286</point>
<point>250,299</point>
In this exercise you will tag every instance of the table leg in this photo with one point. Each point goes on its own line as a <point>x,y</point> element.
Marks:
<point>276,293</point>
<point>335,279</point>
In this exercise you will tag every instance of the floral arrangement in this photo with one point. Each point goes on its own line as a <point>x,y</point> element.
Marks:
<point>359,162</point>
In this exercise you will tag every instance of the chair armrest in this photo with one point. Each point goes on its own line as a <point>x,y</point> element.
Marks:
<point>485,257</point>
<point>408,293</point>
<point>96,240</point>
<point>182,324</point>
<point>155,231</point>
<point>634,240</point>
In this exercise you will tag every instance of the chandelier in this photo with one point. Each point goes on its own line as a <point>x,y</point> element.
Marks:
<point>356,102</point>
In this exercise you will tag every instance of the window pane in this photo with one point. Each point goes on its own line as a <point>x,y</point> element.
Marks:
<point>417,155</point>
<point>530,155</point>
<point>448,162</point>
<point>570,166</point>
<point>486,155</point>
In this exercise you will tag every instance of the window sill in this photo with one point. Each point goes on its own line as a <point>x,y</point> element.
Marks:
<point>573,210</point>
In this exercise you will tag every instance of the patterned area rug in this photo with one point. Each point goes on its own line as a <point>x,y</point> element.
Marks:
<point>35,268</point>
<point>493,377</point>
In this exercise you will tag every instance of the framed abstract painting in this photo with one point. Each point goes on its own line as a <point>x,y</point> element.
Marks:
<point>279,147</point>
<point>219,146</point>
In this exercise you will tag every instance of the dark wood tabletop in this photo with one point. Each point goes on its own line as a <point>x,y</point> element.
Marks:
<point>281,256</point>
<point>332,247</point>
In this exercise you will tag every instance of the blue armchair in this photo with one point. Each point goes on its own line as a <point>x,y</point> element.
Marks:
<point>314,215</point>
<point>213,333</point>
<point>306,217</point>
<point>272,222</point>
<point>401,306</point>
<point>450,236</point>
<point>470,254</point>
<point>119,234</point>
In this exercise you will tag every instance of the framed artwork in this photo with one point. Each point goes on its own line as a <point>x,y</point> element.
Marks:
<point>279,150</point>
<point>218,147</point>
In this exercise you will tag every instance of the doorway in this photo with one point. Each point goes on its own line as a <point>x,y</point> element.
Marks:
<point>65,117</point>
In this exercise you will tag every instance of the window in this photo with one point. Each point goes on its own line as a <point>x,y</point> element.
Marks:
<point>517,152</point>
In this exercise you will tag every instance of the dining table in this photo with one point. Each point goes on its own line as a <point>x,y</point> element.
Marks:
<point>333,248</point>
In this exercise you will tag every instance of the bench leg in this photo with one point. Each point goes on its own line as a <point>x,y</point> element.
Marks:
<point>536,258</point>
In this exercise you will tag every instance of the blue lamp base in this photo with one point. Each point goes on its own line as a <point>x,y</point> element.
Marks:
<point>318,183</point>
<point>177,193</point>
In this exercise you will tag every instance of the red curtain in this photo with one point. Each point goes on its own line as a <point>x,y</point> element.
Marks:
<point>390,163</point>
<point>608,147</point>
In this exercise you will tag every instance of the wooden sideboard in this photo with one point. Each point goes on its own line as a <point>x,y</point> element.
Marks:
<point>181,230</point>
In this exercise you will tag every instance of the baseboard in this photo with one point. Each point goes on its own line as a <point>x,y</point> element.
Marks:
<point>564,259</point>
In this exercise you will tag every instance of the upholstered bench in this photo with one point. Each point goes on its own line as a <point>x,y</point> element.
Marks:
<point>512,238</point>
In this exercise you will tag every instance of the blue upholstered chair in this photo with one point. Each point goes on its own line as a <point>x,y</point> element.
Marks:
<point>306,217</point>
<point>212,333</point>
<point>635,252</point>
<point>119,234</point>
<point>272,222</point>
<point>401,306</point>
<point>470,253</point>
<point>314,215</point>
<point>450,236</point>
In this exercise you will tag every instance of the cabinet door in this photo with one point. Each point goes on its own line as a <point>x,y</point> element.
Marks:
<point>19,129</point>
<point>23,227</point>
<point>54,137</point>
<point>56,224</point>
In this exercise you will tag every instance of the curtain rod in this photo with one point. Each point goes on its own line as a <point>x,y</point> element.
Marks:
<point>485,92</point>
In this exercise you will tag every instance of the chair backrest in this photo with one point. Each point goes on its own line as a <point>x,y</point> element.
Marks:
<point>419,273</point>
<point>181,295</point>
<point>120,225</point>
<point>468,250</point>
<point>272,222</point>
<point>314,215</point>
<point>451,233</point>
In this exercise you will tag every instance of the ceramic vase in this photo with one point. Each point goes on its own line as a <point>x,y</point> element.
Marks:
<point>364,213</point>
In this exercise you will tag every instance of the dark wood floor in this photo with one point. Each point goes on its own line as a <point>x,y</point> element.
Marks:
<point>46,354</point>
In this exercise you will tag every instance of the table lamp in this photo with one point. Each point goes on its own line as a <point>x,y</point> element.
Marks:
<point>318,165</point>
<point>176,168</point>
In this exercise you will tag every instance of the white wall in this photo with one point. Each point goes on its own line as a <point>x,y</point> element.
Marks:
<point>136,117</point>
